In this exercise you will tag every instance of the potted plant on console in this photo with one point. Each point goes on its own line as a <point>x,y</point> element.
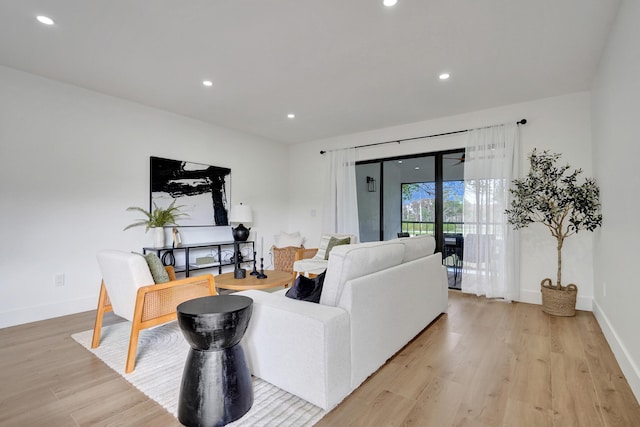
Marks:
<point>157,219</point>
<point>550,195</point>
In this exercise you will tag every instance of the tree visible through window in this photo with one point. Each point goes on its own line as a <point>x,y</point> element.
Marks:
<point>418,206</point>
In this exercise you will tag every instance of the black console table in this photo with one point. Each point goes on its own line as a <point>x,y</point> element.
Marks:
<point>190,264</point>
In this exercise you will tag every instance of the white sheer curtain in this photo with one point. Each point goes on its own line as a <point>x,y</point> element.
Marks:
<point>341,198</point>
<point>491,256</point>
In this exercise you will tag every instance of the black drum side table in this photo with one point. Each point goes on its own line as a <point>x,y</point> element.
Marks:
<point>216,384</point>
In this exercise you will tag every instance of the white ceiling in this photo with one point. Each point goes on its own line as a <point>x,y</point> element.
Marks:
<point>341,66</point>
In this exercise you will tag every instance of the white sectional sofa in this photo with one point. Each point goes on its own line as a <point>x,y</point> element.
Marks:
<point>376,297</point>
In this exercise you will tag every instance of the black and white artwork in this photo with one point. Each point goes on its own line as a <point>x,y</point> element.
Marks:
<point>202,190</point>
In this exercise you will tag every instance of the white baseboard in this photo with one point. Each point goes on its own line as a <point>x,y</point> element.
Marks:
<point>535,297</point>
<point>46,311</point>
<point>629,368</point>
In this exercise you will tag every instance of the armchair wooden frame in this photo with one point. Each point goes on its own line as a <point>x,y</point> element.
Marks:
<point>155,305</point>
<point>304,253</point>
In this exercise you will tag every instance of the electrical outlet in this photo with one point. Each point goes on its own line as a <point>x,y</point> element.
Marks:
<point>604,289</point>
<point>58,280</point>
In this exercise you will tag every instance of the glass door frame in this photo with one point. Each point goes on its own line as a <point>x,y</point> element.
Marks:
<point>439,211</point>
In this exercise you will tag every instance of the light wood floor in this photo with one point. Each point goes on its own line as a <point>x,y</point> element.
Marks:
<point>485,363</point>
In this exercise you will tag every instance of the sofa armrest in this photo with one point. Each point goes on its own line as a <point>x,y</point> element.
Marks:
<point>299,346</point>
<point>389,308</point>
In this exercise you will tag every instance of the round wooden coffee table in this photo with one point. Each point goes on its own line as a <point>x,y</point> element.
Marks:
<point>273,280</point>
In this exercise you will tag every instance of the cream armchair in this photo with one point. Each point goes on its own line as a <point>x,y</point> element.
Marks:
<point>129,291</point>
<point>311,261</point>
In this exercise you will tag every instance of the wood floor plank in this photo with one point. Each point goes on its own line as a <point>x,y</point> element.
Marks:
<point>349,413</point>
<point>518,413</point>
<point>574,398</point>
<point>565,337</point>
<point>485,397</point>
<point>388,409</point>
<point>146,413</point>
<point>484,363</point>
<point>410,382</point>
<point>466,357</point>
<point>437,405</point>
<point>19,405</point>
<point>530,380</point>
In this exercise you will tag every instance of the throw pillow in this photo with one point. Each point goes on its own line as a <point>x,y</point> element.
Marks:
<point>305,289</point>
<point>284,240</point>
<point>158,271</point>
<point>333,242</point>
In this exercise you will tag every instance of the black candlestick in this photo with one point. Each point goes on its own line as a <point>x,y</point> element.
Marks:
<point>261,275</point>
<point>254,272</point>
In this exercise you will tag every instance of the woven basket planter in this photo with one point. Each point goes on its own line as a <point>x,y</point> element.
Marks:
<point>558,301</point>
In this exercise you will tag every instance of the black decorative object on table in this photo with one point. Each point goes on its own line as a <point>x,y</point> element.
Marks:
<point>216,384</point>
<point>240,233</point>
<point>238,271</point>
<point>255,271</point>
<point>261,275</point>
<point>241,214</point>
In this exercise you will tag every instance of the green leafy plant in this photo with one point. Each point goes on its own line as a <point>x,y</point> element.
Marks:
<point>159,217</point>
<point>551,195</point>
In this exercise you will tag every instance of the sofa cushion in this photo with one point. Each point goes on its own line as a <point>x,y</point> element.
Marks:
<point>349,261</point>
<point>335,241</point>
<point>324,243</point>
<point>284,240</point>
<point>417,247</point>
<point>306,289</point>
<point>158,272</point>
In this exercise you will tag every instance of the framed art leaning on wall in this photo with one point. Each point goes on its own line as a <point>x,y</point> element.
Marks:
<point>202,190</point>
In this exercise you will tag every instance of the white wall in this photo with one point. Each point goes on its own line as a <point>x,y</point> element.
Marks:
<point>72,160</point>
<point>616,106</point>
<point>561,124</point>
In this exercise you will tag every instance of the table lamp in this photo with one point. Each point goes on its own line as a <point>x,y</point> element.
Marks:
<point>241,214</point>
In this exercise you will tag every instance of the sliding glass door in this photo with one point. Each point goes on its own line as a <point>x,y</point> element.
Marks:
<point>410,196</point>
<point>420,194</point>
<point>369,200</point>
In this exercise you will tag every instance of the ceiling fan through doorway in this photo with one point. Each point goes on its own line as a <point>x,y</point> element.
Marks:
<point>459,159</point>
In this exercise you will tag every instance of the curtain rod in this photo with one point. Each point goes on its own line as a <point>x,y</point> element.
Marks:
<point>521,122</point>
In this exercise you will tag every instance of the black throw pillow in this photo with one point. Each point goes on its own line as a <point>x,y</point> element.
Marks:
<point>305,289</point>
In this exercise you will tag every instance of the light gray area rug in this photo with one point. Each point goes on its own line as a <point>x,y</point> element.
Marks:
<point>162,352</point>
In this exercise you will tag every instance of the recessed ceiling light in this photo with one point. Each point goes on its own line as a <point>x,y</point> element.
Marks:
<point>417,168</point>
<point>44,20</point>
<point>444,76</point>
<point>291,116</point>
<point>400,161</point>
<point>389,3</point>
<point>207,83</point>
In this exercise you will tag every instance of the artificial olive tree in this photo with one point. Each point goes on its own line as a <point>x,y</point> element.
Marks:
<point>551,195</point>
